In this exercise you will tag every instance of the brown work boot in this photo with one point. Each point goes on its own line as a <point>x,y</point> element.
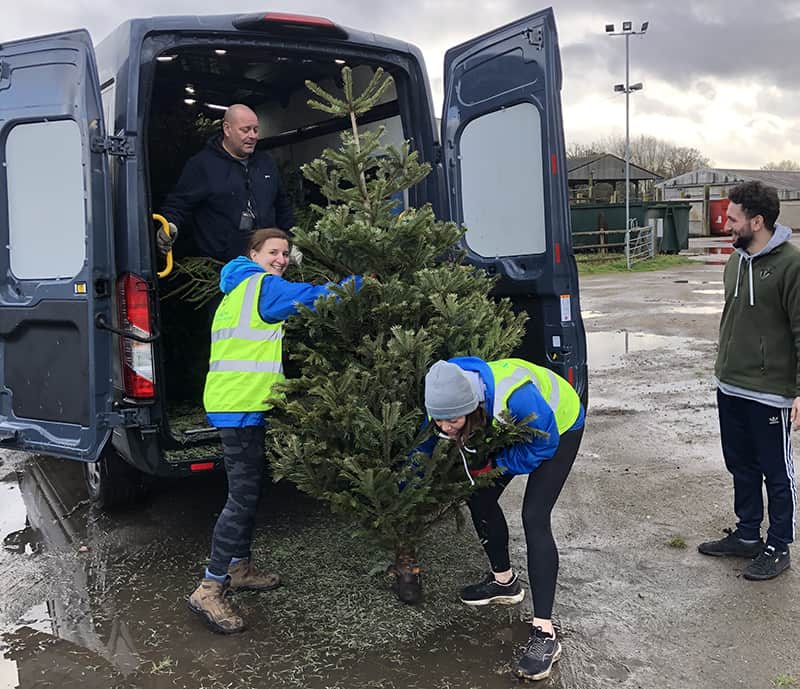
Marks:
<point>208,600</point>
<point>244,577</point>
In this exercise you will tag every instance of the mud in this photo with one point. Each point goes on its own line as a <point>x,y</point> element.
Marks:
<point>92,600</point>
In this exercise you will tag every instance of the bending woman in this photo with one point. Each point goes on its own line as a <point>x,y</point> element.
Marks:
<point>466,393</point>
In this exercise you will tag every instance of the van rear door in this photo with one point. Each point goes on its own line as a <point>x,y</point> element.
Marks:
<point>503,154</point>
<point>55,260</point>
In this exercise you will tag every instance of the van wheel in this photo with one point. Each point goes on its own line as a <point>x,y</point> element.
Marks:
<point>111,482</point>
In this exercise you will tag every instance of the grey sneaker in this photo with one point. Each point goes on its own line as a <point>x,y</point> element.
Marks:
<point>768,565</point>
<point>540,653</point>
<point>731,546</point>
<point>489,590</point>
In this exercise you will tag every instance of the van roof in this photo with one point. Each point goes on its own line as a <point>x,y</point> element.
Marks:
<point>135,29</point>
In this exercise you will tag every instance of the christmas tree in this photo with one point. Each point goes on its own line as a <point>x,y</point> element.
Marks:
<point>346,428</point>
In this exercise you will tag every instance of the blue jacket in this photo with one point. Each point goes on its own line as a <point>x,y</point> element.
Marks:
<point>522,458</point>
<point>213,190</point>
<point>277,301</point>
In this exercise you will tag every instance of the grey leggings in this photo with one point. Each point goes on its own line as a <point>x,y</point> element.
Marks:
<point>243,450</point>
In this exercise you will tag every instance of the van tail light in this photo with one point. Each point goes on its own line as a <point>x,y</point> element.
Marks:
<point>281,22</point>
<point>571,376</point>
<point>133,299</point>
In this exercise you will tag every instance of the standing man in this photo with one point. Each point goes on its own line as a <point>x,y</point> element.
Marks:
<point>758,380</point>
<point>227,190</point>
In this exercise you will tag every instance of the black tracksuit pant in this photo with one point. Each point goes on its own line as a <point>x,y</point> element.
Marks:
<point>544,487</point>
<point>757,446</point>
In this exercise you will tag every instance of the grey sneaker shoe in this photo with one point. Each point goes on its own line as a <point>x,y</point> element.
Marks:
<point>768,565</point>
<point>489,590</point>
<point>731,546</point>
<point>208,601</point>
<point>540,653</point>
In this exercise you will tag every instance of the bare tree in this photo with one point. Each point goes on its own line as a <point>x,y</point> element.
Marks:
<point>664,158</point>
<point>783,166</point>
<point>582,151</point>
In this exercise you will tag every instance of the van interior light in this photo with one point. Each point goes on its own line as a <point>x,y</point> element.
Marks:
<point>165,58</point>
<point>189,101</point>
<point>340,62</point>
<point>214,106</point>
<point>189,89</point>
<point>220,51</point>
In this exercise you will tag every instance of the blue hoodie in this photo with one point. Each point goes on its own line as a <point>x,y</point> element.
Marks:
<point>277,301</point>
<point>522,458</point>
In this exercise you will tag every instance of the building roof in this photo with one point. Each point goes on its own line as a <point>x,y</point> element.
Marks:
<point>782,180</point>
<point>605,167</point>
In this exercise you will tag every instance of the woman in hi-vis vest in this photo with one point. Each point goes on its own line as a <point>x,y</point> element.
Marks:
<point>245,363</point>
<point>466,393</point>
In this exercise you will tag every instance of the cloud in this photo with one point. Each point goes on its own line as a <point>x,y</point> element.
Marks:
<point>708,68</point>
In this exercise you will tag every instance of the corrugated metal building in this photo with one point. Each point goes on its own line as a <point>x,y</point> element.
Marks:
<point>691,186</point>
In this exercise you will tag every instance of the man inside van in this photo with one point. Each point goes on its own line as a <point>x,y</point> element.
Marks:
<point>227,190</point>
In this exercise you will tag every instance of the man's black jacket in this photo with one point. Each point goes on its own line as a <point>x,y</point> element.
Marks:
<point>213,191</point>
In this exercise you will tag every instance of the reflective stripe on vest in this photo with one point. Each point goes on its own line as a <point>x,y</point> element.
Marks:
<point>246,353</point>
<point>511,374</point>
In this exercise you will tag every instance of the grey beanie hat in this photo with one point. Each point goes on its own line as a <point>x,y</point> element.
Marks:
<point>448,392</point>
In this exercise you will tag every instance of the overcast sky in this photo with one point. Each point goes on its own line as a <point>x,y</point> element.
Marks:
<point>719,75</point>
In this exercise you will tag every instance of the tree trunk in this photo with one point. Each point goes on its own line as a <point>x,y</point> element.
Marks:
<point>408,583</point>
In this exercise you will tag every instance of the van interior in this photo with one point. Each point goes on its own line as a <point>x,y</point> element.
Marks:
<point>191,87</point>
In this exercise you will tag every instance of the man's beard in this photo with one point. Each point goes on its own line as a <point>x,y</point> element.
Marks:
<point>743,241</point>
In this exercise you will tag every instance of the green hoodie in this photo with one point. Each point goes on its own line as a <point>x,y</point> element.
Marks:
<point>759,332</point>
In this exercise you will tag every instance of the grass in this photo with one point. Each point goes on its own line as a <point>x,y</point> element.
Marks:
<point>677,542</point>
<point>784,681</point>
<point>588,264</point>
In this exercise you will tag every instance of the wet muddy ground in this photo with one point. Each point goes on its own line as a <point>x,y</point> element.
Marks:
<point>97,601</point>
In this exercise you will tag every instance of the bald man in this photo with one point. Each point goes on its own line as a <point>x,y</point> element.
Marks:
<point>227,190</point>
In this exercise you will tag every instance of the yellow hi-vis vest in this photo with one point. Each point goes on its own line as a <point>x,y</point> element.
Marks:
<point>511,374</point>
<point>245,357</point>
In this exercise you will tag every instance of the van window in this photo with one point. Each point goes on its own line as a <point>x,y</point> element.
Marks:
<point>44,161</point>
<point>501,162</point>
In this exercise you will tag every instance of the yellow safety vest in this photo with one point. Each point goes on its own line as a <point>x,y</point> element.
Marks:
<point>246,354</point>
<point>511,374</point>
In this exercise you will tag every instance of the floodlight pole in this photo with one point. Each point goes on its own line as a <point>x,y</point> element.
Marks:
<point>627,31</point>
<point>627,134</point>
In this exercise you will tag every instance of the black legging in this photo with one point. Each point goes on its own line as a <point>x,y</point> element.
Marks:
<point>541,493</point>
<point>243,449</point>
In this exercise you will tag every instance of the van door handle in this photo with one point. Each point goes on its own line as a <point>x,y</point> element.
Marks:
<point>102,324</point>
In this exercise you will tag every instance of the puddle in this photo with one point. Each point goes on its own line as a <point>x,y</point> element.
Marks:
<point>708,291</point>
<point>696,310</point>
<point>15,531</point>
<point>608,349</point>
<point>697,282</point>
<point>114,615</point>
<point>717,255</point>
<point>9,677</point>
